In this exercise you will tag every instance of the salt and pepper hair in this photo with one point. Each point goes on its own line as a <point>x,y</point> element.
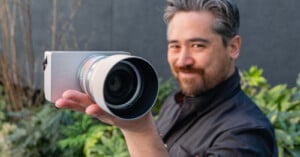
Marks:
<point>225,11</point>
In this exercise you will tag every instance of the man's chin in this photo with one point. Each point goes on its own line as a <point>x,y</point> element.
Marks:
<point>191,89</point>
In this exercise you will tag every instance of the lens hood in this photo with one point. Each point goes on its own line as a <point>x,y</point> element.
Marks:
<point>123,85</point>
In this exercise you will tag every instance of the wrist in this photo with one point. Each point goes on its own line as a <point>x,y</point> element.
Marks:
<point>145,137</point>
<point>140,126</point>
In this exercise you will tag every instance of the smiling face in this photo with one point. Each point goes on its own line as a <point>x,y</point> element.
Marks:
<point>196,54</point>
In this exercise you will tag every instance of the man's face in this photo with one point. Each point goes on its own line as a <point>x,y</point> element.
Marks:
<point>196,54</point>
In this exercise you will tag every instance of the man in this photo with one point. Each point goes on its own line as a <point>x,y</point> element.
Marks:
<point>210,115</point>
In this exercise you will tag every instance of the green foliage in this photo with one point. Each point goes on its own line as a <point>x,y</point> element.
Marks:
<point>2,105</point>
<point>297,93</point>
<point>105,142</point>
<point>5,127</point>
<point>281,105</point>
<point>88,137</point>
<point>75,134</point>
<point>36,135</point>
<point>5,145</point>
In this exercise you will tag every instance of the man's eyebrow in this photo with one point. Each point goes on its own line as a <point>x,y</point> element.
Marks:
<point>172,41</point>
<point>191,40</point>
<point>199,40</point>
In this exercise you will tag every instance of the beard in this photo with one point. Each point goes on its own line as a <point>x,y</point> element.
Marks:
<point>190,86</point>
<point>201,81</point>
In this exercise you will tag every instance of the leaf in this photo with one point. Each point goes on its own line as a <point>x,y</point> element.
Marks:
<point>273,116</point>
<point>295,151</point>
<point>92,140</point>
<point>284,137</point>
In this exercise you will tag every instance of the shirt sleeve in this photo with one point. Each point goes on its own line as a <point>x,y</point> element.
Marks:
<point>243,142</point>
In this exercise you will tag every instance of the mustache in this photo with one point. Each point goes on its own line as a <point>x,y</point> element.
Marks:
<point>188,69</point>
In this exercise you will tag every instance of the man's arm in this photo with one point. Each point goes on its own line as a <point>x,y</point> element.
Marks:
<point>144,139</point>
<point>140,134</point>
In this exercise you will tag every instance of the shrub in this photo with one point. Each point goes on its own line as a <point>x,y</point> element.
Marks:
<point>281,105</point>
<point>5,145</point>
<point>91,138</point>
<point>36,135</point>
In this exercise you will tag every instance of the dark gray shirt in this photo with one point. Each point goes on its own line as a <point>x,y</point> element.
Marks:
<point>222,122</point>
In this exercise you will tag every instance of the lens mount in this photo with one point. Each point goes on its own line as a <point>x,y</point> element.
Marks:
<point>86,70</point>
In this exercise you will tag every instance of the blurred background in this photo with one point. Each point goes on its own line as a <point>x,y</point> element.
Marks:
<point>269,29</point>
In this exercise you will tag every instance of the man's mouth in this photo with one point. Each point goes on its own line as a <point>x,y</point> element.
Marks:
<point>187,74</point>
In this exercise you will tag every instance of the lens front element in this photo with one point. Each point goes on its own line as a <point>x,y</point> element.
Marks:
<point>122,85</point>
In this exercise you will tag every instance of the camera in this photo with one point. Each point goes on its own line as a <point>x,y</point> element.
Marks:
<point>123,85</point>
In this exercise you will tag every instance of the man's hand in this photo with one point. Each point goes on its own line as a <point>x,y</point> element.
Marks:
<point>77,101</point>
<point>141,135</point>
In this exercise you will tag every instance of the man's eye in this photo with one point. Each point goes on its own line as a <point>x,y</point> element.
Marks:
<point>174,46</point>
<point>197,45</point>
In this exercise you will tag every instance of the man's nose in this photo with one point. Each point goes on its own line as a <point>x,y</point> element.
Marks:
<point>185,58</point>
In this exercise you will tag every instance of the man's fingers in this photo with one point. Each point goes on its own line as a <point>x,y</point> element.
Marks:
<point>74,100</point>
<point>69,104</point>
<point>94,110</point>
<point>77,101</point>
<point>81,98</point>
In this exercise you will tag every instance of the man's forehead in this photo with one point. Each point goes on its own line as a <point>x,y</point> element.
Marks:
<point>190,21</point>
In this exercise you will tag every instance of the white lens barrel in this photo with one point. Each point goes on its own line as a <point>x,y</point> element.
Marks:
<point>93,75</point>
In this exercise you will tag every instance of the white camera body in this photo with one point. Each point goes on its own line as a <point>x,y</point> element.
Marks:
<point>123,85</point>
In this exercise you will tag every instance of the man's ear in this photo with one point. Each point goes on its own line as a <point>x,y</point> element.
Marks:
<point>234,47</point>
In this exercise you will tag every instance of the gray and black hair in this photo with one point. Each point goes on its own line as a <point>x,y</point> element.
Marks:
<point>226,12</point>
